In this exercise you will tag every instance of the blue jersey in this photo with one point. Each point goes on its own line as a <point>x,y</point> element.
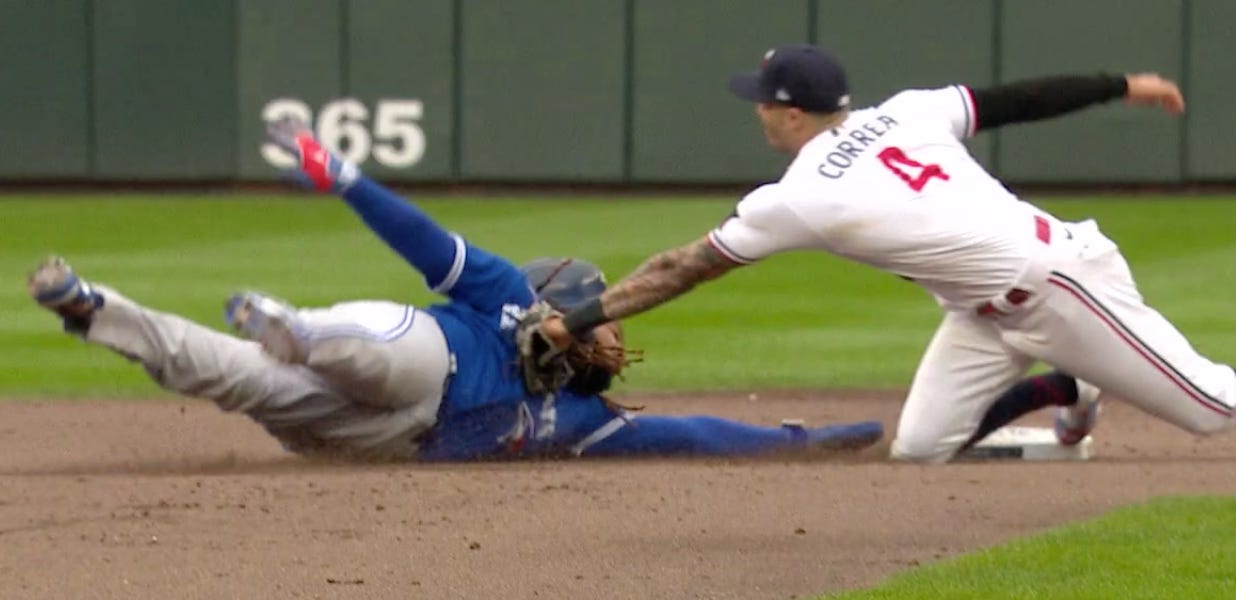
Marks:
<point>562,424</point>
<point>486,410</point>
<point>488,297</point>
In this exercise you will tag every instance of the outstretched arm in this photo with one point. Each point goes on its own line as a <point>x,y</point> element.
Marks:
<point>764,223</point>
<point>586,427</point>
<point>406,229</point>
<point>660,279</point>
<point>647,435</point>
<point>1047,97</point>
<point>402,225</point>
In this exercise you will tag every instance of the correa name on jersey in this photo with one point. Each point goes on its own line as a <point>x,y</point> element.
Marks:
<point>842,157</point>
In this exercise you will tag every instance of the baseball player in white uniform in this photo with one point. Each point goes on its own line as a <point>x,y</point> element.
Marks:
<point>893,187</point>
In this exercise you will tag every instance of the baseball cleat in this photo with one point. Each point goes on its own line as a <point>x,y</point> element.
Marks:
<point>1076,421</point>
<point>272,323</point>
<point>849,436</point>
<point>55,286</point>
<point>318,168</point>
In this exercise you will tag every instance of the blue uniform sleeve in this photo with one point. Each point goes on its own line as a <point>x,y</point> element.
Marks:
<point>503,432</point>
<point>484,280</point>
<point>586,426</point>
<point>451,266</point>
<point>643,435</point>
<point>692,436</point>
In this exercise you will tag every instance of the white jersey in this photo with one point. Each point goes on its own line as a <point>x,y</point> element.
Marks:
<point>893,187</point>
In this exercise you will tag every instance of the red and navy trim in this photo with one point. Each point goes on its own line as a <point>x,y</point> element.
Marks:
<point>967,101</point>
<point>1126,334</point>
<point>714,240</point>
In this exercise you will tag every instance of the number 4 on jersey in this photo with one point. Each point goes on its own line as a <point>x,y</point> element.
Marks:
<point>896,160</point>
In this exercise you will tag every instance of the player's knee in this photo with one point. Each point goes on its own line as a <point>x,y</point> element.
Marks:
<point>921,449</point>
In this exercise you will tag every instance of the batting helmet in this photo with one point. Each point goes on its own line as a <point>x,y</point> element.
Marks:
<point>564,282</point>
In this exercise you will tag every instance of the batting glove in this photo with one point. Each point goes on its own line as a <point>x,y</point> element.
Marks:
<point>318,169</point>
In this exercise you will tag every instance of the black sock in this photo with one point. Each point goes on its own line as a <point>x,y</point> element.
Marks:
<point>1029,395</point>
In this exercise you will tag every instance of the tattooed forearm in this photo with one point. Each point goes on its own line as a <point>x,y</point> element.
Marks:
<point>664,277</point>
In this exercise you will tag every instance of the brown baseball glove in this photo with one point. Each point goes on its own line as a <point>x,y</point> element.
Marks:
<point>582,366</point>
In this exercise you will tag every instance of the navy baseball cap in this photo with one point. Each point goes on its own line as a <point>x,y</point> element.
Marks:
<point>798,75</point>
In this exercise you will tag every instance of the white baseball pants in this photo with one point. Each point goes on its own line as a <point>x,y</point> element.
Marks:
<point>1079,312</point>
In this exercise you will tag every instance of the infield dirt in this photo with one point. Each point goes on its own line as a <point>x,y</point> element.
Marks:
<point>174,499</point>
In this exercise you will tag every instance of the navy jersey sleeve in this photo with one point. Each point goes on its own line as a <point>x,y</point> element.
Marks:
<point>1035,99</point>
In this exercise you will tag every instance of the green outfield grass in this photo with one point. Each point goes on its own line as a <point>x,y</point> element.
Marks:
<point>795,321</point>
<point>1165,549</point>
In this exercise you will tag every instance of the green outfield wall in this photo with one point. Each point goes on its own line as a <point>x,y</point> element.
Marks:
<point>610,91</point>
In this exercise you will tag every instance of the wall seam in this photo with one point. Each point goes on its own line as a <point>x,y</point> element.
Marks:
<point>345,50</point>
<point>1186,47</point>
<point>457,89</point>
<point>238,126</point>
<point>997,53</point>
<point>628,92</point>
<point>813,13</point>
<point>92,111</point>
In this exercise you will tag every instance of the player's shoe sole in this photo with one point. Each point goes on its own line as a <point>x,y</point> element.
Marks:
<point>848,436</point>
<point>55,286</point>
<point>1074,423</point>
<point>269,322</point>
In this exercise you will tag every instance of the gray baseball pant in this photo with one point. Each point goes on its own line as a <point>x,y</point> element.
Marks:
<point>360,395</point>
